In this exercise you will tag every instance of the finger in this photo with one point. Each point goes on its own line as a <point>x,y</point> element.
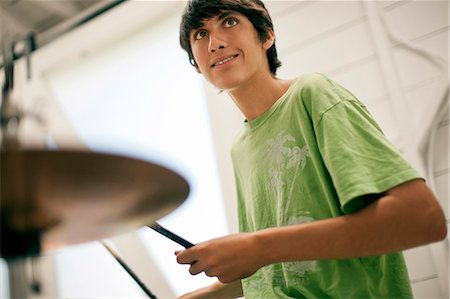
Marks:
<point>210,273</point>
<point>185,257</point>
<point>225,279</point>
<point>196,268</point>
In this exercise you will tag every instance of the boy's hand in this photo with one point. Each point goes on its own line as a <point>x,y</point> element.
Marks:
<point>228,258</point>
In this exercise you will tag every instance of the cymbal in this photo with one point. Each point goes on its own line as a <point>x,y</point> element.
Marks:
<point>51,199</point>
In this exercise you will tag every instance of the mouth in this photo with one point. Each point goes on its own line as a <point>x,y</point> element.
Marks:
<point>224,60</point>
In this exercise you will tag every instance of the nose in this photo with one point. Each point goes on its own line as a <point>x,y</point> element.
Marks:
<point>216,42</point>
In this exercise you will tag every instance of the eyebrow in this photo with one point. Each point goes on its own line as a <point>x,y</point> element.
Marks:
<point>221,16</point>
<point>225,14</point>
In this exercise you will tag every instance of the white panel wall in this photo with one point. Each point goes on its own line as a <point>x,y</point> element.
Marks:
<point>335,38</point>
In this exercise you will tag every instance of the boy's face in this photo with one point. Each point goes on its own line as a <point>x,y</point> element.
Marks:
<point>228,51</point>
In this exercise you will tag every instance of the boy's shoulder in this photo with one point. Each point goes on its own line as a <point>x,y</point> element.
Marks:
<point>318,93</point>
<point>313,83</point>
<point>314,79</point>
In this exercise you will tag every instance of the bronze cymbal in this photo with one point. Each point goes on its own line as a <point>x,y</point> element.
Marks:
<point>54,198</point>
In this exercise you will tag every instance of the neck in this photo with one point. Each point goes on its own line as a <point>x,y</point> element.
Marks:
<point>257,96</point>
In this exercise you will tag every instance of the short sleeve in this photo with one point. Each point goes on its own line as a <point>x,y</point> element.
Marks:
<point>360,159</point>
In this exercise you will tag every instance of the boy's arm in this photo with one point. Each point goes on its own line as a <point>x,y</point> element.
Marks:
<point>406,216</point>
<point>217,290</point>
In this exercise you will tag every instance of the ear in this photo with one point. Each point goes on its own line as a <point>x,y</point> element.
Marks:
<point>269,40</point>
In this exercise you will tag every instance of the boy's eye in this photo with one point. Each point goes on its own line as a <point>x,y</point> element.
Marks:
<point>200,34</point>
<point>230,22</point>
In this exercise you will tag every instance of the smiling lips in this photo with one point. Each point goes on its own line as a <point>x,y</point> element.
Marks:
<point>224,60</point>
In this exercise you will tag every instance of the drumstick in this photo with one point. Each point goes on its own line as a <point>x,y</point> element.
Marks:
<point>157,227</point>
<point>129,271</point>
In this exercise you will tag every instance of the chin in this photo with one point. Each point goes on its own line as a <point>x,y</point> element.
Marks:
<point>226,85</point>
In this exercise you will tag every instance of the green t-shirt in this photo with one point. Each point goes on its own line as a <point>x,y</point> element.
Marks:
<point>316,154</point>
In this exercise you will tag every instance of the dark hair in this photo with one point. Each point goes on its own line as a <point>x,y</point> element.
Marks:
<point>253,10</point>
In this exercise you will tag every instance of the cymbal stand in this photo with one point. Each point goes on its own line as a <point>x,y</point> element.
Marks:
<point>10,116</point>
<point>18,272</point>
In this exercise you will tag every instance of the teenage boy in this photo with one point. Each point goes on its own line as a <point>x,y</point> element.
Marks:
<point>325,202</point>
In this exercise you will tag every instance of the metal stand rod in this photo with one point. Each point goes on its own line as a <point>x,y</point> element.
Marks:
<point>18,285</point>
<point>129,271</point>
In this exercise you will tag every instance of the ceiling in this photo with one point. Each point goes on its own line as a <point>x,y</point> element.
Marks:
<point>45,19</point>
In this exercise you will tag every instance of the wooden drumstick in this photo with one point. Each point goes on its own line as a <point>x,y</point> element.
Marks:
<point>128,269</point>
